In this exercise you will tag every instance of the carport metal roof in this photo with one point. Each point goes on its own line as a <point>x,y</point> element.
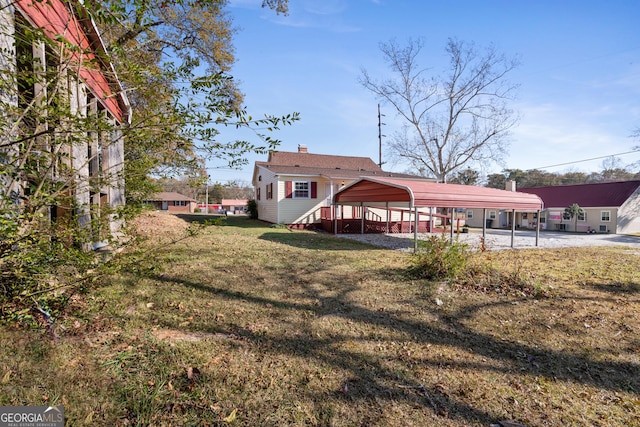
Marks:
<point>416,193</point>
<point>420,193</point>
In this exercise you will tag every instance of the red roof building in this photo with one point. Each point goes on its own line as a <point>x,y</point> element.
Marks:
<point>608,207</point>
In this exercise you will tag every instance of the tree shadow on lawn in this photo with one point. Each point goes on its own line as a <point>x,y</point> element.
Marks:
<point>316,241</point>
<point>370,380</point>
<point>617,288</point>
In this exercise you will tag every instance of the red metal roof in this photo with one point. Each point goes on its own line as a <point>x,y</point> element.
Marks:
<point>422,193</point>
<point>56,21</point>
<point>606,194</point>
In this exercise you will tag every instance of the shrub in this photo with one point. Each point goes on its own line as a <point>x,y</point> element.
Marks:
<point>252,209</point>
<point>438,258</point>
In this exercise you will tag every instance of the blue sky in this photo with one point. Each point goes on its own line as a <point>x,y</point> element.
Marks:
<point>579,95</point>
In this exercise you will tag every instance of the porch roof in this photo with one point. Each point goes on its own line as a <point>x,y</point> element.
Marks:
<point>422,193</point>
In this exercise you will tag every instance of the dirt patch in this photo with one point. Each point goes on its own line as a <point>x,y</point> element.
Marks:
<point>154,223</point>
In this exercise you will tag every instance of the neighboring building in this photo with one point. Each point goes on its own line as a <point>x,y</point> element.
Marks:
<point>234,206</point>
<point>172,202</point>
<point>610,207</point>
<point>292,187</point>
<point>66,70</point>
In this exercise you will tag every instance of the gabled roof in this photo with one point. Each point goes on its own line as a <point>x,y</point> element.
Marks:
<point>606,194</point>
<point>331,173</point>
<point>321,161</point>
<point>423,193</point>
<point>167,196</point>
<point>329,166</point>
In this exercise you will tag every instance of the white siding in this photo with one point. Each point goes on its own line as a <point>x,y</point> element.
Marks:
<point>629,215</point>
<point>267,208</point>
<point>300,211</point>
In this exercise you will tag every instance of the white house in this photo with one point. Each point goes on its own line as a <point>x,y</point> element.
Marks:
<point>292,187</point>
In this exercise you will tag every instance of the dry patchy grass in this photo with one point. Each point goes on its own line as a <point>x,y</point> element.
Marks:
<point>249,325</point>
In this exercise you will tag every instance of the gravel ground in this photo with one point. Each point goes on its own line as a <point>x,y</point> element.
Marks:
<point>501,239</point>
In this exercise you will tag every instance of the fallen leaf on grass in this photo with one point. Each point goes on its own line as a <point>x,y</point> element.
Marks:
<point>232,416</point>
<point>193,373</point>
<point>7,376</point>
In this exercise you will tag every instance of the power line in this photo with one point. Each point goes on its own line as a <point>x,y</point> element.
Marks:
<point>587,160</point>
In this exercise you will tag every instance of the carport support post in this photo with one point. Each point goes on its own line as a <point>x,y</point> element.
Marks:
<point>335,218</point>
<point>451,221</point>
<point>431,221</point>
<point>538,228</point>
<point>513,226</point>
<point>415,230</point>
<point>484,224</point>
<point>388,214</point>
<point>362,221</point>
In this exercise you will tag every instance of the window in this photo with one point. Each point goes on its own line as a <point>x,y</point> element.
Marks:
<point>469,214</point>
<point>605,216</point>
<point>269,191</point>
<point>566,216</point>
<point>258,193</point>
<point>492,215</point>
<point>582,216</point>
<point>301,189</point>
<point>180,203</point>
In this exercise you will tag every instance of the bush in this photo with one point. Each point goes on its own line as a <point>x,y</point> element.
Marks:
<point>252,209</point>
<point>438,258</point>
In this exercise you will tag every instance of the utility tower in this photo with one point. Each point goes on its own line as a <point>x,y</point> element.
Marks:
<point>380,135</point>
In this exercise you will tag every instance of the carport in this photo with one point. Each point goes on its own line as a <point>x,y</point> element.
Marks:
<point>413,194</point>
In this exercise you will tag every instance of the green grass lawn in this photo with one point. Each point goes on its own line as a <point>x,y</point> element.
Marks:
<point>244,324</point>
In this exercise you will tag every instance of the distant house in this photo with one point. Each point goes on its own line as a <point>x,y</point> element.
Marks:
<point>292,187</point>
<point>234,206</point>
<point>610,207</point>
<point>172,202</point>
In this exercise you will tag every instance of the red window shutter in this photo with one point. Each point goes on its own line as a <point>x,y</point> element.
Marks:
<point>314,189</point>
<point>288,189</point>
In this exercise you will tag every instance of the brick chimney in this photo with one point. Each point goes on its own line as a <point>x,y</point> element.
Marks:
<point>510,186</point>
<point>302,148</point>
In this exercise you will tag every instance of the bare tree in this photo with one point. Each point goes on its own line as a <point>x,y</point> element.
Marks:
<point>459,119</point>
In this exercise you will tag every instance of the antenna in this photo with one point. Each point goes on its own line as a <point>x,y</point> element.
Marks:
<point>380,135</point>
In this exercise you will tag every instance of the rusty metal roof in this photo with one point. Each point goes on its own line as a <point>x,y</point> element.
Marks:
<point>423,193</point>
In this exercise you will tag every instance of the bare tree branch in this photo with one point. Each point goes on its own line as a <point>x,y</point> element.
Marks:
<point>451,121</point>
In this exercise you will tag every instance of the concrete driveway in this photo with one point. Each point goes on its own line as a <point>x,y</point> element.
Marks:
<point>501,239</point>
